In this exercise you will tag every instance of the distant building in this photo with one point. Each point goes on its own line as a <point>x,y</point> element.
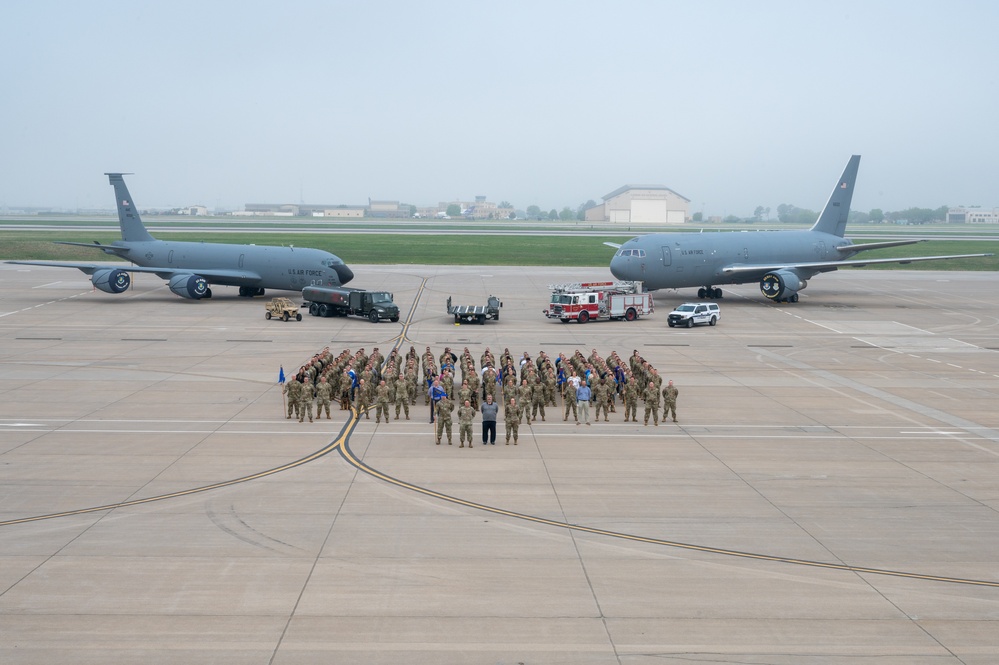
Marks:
<point>289,209</point>
<point>477,209</point>
<point>972,216</point>
<point>387,209</point>
<point>352,212</point>
<point>641,204</point>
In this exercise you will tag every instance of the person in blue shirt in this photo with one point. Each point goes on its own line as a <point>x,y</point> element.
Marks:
<point>583,396</point>
<point>437,393</point>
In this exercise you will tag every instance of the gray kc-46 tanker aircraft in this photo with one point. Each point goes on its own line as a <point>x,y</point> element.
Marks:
<point>190,267</point>
<point>781,261</point>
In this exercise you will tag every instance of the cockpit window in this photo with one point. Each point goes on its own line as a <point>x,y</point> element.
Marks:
<point>637,253</point>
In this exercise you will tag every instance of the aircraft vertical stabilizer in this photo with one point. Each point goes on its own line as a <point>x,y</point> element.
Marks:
<point>132,228</point>
<point>834,216</point>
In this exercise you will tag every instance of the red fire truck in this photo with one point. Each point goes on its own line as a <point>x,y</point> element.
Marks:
<point>598,301</point>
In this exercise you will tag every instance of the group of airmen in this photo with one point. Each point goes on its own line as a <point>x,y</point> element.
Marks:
<point>524,386</point>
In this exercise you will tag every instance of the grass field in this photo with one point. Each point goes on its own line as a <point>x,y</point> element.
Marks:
<point>450,249</point>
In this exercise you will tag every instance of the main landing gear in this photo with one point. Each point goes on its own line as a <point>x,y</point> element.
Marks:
<point>709,292</point>
<point>250,291</point>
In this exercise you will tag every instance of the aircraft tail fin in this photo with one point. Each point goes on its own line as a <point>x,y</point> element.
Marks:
<point>834,216</point>
<point>132,228</point>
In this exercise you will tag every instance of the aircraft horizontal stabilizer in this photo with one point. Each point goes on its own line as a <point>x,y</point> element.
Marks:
<point>878,245</point>
<point>107,249</point>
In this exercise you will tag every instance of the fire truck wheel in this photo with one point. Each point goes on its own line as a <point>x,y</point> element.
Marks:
<point>584,317</point>
<point>631,314</point>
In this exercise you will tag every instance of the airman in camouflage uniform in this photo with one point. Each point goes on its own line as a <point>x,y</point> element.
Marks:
<point>512,418</point>
<point>447,383</point>
<point>537,401</point>
<point>474,383</point>
<point>444,408</point>
<point>465,416</point>
<point>489,383</point>
<point>362,399</point>
<point>651,398</point>
<point>292,389</point>
<point>324,391</point>
<point>570,398</point>
<point>601,397</point>
<point>381,401</point>
<point>631,400</point>
<point>346,382</point>
<point>401,398</point>
<point>670,393</point>
<point>305,400</point>
<point>412,379</point>
<point>523,396</point>
<point>550,388</point>
<point>391,376</point>
<point>464,393</point>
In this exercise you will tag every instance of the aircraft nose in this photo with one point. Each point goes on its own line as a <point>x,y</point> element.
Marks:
<point>344,273</point>
<point>617,268</point>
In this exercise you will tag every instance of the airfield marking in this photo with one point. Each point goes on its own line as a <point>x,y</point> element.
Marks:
<point>345,431</point>
<point>348,455</point>
<point>342,444</point>
<point>28,309</point>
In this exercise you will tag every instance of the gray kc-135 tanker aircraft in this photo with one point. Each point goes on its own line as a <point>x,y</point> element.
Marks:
<point>781,261</point>
<point>190,267</point>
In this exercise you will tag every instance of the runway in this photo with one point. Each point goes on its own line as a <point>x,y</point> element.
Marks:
<point>829,495</point>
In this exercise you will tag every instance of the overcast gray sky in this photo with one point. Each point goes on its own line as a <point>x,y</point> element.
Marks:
<point>731,104</point>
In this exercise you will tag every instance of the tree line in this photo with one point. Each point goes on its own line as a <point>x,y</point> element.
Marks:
<point>792,214</point>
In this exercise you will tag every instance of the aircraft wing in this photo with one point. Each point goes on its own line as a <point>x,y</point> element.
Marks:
<point>250,278</point>
<point>820,266</point>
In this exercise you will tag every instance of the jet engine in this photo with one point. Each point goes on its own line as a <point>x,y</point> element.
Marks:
<point>781,285</point>
<point>191,287</point>
<point>111,280</point>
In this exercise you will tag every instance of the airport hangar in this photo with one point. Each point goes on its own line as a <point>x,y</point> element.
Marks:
<point>830,494</point>
<point>641,204</point>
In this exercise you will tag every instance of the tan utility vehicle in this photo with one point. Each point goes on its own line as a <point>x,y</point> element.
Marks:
<point>282,308</point>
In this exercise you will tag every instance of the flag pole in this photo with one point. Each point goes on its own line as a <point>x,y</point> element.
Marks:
<point>284,405</point>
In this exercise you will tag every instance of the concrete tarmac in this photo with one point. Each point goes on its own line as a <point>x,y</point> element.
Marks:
<point>830,493</point>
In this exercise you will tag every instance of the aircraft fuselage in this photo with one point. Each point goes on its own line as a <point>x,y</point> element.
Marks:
<point>261,266</point>
<point>679,260</point>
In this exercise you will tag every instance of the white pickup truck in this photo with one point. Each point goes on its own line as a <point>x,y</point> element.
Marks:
<point>690,313</point>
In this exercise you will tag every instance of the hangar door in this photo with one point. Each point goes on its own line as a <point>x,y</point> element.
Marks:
<point>648,211</point>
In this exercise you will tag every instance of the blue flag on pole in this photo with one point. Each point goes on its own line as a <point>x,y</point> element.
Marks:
<point>281,375</point>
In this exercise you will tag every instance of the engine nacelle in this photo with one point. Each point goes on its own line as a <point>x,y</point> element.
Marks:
<point>781,285</point>
<point>111,280</point>
<point>192,287</point>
